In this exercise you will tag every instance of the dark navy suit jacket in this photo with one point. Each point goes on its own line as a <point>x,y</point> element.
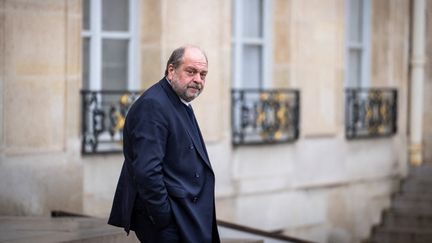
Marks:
<point>166,176</point>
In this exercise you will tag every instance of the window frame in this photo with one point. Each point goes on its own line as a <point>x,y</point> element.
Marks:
<point>364,45</point>
<point>239,42</point>
<point>96,35</point>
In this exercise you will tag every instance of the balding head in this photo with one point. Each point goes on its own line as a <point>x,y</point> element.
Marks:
<point>177,55</point>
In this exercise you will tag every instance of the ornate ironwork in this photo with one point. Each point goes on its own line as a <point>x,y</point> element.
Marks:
<point>103,117</point>
<point>265,116</point>
<point>370,113</point>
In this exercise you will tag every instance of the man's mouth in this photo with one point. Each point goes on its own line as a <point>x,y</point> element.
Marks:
<point>195,88</point>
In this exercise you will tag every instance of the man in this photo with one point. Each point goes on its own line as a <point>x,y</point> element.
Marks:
<point>166,188</point>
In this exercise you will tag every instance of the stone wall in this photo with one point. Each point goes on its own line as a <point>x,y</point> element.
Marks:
<point>317,37</point>
<point>390,56</point>
<point>40,79</point>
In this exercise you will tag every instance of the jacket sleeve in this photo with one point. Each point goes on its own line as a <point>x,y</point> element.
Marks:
<point>148,136</point>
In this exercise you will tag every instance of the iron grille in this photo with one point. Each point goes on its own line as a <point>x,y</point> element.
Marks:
<point>264,116</point>
<point>370,112</point>
<point>103,117</point>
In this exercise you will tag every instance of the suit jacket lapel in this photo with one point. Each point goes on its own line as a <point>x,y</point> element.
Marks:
<point>179,106</point>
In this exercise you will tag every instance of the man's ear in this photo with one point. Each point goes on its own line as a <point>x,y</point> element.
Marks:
<point>170,71</point>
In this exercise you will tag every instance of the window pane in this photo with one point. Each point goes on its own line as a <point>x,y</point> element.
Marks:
<point>86,14</point>
<point>355,20</point>
<point>114,64</point>
<point>252,66</point>
<point>86,63</point>
<point>252,18</point>
<point>115,15</point>
<point>354,68</point>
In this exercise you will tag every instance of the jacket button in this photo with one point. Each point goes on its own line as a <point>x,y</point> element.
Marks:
<point>194,199</point>
<point>191,147</point>
<point>197,175</point>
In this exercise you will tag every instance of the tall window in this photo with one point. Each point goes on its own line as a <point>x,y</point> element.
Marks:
<point>110,44</point>
<point>251,43</point>
<point>358,43</point>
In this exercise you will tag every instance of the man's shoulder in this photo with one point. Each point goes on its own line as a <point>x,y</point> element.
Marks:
<point>154,90</point>
<point>154,95</point>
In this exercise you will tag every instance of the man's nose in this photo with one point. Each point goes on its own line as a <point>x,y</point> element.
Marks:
<point>197,78</point>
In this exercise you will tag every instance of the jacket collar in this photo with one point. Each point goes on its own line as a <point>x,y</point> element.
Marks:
<point>183,117</point>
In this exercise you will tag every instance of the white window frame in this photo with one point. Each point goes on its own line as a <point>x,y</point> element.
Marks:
<point>239,42</point>
<point>364,45</point>
<point>97,35</point>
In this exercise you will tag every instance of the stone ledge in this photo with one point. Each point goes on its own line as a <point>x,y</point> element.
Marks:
<point>67,229</point>
<point>70,229</point>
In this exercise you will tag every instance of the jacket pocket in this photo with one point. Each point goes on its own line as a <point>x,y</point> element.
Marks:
<point>175,191</point>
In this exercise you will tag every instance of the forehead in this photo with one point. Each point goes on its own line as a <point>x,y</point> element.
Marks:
<point>194,57</point>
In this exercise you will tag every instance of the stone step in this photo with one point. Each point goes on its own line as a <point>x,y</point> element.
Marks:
<point>52,230</point>
<point>241,241</point>
<point>421,172</point>
<point>401,235</point>
<point>409,219</point>
<point>406,220</point>
<point>417,186</point>
<point>410,211</point>
<point>419,176</point>
<point>72,230</point>
<point>412,204</point>
<point>413,196</point>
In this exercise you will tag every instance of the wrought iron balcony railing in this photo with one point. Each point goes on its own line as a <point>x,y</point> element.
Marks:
<point>103,116</point>
<point>264,116</point>
<point>370,112</point>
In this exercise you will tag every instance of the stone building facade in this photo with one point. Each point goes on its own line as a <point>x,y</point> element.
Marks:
<point>320,186</point>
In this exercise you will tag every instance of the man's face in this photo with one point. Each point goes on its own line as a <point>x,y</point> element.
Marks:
<point>189,78</point>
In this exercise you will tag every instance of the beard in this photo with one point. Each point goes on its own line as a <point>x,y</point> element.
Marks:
<point>187,92</point>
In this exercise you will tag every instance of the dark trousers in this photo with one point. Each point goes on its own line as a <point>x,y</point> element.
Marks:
<point>168,234</point>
